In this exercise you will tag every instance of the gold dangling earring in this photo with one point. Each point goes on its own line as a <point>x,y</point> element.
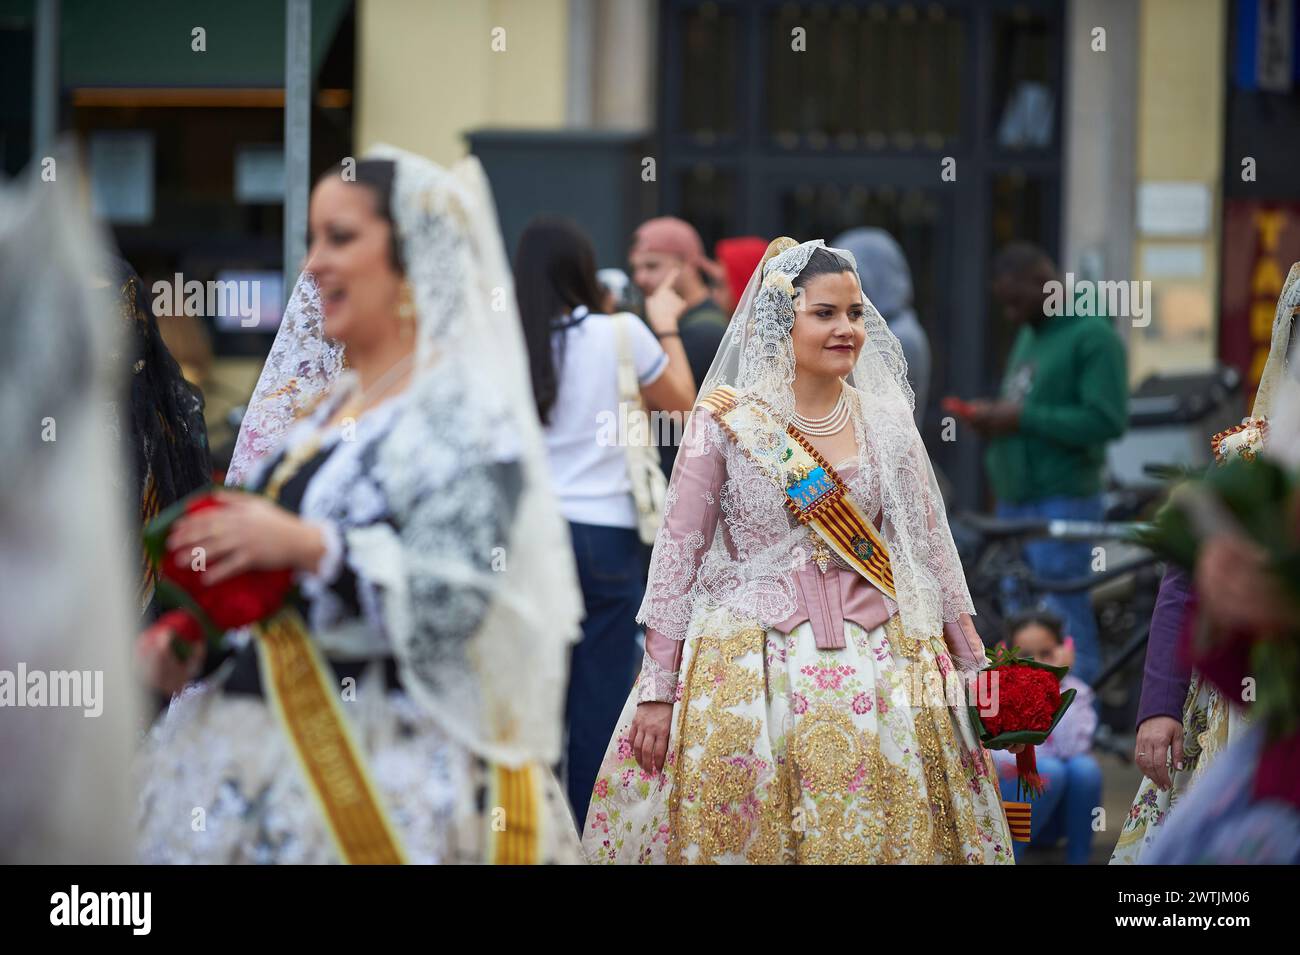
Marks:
<point>406,309</point>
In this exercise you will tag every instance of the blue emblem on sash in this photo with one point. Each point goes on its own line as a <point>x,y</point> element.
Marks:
<point>805,491</point>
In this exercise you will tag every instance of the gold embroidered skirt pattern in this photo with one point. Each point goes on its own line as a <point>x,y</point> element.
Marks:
<point>785,753</point>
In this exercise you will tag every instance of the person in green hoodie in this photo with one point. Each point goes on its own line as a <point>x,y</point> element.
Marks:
<point>1064,396</point>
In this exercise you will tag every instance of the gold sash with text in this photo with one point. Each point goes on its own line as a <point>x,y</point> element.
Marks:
<point>303,695</point>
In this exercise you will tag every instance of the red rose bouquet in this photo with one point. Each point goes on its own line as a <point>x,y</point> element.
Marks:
<point>1023,705</point>
<point>203,611</point>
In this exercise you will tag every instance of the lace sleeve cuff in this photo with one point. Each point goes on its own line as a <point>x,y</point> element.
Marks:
<point>965,647</point>
<point>656,685</point>
<point>331,562</point>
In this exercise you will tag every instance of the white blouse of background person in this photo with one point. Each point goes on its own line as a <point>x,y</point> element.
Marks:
<point>588,464</point>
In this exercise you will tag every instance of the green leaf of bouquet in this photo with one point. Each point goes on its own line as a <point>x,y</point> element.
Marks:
<point>1256,493</point>
<point>173,597</point>
<point>1172,536</point>
<point>1003,740</point>
<point>1058,672</point>
<point>1287,568</point>
<point>1277,663</point>
<point>1066,699</point>
<point>155,532</point>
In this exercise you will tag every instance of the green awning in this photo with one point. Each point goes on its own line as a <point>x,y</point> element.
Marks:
<point>148,42</point>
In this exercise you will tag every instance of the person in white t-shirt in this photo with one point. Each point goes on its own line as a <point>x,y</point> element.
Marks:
<point>573,355</point>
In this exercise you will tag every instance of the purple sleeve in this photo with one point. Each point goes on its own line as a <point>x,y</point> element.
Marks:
<point>1165,677</point>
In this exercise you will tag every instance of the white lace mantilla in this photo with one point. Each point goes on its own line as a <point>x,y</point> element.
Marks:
<point>439,496</point>
<point>298,372</point>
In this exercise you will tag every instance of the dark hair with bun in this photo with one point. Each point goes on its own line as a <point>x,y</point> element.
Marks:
<point>376,175</point>
<point>821,262</point>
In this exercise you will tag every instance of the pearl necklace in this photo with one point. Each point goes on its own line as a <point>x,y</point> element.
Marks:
<point>826,425</point>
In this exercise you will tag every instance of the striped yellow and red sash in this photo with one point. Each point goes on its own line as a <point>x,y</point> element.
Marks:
<point>306,701</point>
<point>814,493</point>
<point>1018,819</point>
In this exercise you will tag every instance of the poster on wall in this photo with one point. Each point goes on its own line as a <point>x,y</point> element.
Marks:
<point>1260,241</point>
<point>259,174</point>
<point>1266,45</point>
<point>122,176</point>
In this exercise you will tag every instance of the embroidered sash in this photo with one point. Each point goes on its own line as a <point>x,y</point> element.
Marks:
<point>514,834</point>
<point>814,493</point>
<point>304,697</point>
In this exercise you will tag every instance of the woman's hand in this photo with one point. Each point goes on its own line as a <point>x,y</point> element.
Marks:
<point>158,664</point>
<point>674,390</point>
<point>650,729</point>
<point>1155,737</point>
<point>248,533</point>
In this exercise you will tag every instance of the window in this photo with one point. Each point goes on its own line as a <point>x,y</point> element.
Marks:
<point>867,78</point>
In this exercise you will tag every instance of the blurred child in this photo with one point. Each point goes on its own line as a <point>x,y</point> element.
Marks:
<point>1071,775</point>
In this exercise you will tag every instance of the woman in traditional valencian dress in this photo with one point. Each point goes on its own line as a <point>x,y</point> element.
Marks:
<point>1244,809</point>
<point>436,584</point>
<point>806,616</point>
<point>1174,759</point>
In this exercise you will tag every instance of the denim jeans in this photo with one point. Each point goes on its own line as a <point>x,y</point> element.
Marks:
<point>605,661</point>
<point>1064,560</point>
<point>1066,806</point>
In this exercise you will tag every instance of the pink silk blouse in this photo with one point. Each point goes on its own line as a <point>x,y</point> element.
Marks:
<point>823,599</point>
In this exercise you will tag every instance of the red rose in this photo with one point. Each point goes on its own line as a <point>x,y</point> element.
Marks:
<point>1027,699</point>
<point>235,602</point>
<point>182,626</point>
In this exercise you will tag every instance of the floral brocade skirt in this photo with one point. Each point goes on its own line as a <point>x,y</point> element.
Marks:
<point>784,753</point>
